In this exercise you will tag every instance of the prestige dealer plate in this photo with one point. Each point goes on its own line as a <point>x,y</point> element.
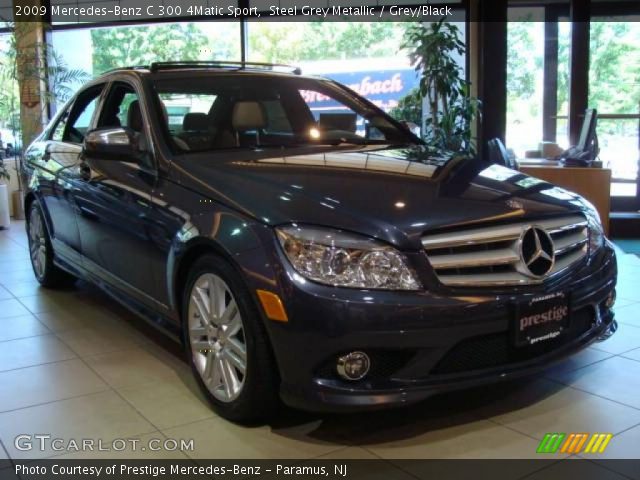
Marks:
<point>541,319</point>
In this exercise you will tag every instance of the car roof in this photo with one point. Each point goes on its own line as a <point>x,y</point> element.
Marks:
<point>207,68</point>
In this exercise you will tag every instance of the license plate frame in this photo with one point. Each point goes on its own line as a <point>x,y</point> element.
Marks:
<point>541,319</point>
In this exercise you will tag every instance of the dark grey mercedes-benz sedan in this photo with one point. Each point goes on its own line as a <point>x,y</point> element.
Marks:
<point>303,245</point>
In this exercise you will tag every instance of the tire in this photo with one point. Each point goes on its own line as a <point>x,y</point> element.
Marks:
<point>41,252</point>
<point>241,388</point>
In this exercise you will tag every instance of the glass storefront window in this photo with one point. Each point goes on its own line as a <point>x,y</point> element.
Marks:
<point>366,56</point>
<point>113,47</point>
<point>614,73</point>
<point>525,79</point>
<point>9,94</point>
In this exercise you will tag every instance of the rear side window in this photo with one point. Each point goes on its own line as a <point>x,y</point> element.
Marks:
<point>121,108</point>
<point>277,120</point>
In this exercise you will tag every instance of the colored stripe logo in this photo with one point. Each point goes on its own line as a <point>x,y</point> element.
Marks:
<point>574,443</point>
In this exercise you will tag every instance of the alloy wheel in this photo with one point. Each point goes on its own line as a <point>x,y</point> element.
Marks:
<point>216,335</point>
<point>37,243</point>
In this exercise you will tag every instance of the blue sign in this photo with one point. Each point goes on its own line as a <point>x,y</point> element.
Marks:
<point>381,87</point>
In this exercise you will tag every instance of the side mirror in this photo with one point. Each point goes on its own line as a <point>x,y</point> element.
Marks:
<point>118,143</point>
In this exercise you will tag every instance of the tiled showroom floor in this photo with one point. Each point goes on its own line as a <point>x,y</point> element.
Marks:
<point>76,365</point>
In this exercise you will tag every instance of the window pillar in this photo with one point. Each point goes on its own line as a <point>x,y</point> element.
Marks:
<point>493,71</point>
<point>579,68</point>
<point>550,94</point>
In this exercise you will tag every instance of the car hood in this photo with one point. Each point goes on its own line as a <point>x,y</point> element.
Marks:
<point>394,194</point>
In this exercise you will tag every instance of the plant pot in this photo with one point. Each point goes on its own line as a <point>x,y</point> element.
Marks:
<point>5,220</point>
<point>18,205</point>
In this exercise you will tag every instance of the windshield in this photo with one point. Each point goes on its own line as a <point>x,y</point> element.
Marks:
<point>256,111</point>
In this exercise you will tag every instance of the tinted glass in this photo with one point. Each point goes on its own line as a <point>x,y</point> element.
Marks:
<point>249,111</point>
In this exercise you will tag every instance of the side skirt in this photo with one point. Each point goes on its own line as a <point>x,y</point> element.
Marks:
<point>120,291</point>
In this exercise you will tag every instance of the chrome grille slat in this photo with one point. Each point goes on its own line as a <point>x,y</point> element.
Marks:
<point>573,226</point>
<point>489,279</point>
<point>569,242</point>
<point>471,237</point>
<point>483,258</point>
<point>490,256</point>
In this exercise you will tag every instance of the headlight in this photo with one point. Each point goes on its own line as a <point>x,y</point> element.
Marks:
<point>596,232</point>
<point>345,260</point>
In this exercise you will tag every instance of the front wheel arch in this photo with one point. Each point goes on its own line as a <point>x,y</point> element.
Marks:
<point>194,250</point>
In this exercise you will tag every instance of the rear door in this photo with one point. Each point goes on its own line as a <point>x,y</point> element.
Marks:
<point>58,164</point>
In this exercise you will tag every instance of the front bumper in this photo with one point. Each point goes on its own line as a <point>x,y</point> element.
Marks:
<point>423,343</point>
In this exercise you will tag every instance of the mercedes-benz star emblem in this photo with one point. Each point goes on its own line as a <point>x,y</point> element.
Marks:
<point>537,252</point>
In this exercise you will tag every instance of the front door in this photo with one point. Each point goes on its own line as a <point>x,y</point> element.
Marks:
<point>113,201</point>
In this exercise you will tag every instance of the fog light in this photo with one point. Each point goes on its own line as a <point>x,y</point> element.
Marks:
<point>611,299</point>
<point>353,366</point>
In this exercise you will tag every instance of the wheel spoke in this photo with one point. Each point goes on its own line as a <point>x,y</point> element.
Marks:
<point>42,256</point>
<point>232,328</point>
<point>216,298</point>
<point>229,313</point>
<point>215,334</point>
<point>200,303</point>
<point>37,244</point>
<point>237,348</point>
<point>209,367</point>
<point>200,345</point>
<point>238,363</point>
<point>216,376</point>
<point>229,378</point>
<point>198,331</point>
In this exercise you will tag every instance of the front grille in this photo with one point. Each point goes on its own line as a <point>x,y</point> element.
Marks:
<point>490,256</point>
<point>496,350</point>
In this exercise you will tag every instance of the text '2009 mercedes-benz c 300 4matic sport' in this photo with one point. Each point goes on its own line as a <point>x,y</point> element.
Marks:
<point>303,245</point>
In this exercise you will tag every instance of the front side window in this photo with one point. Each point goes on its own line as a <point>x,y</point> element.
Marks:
<point>210,113</point>
<point>61,125</point>
<point>73,124</point>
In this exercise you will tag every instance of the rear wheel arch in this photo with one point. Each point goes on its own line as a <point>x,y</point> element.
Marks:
<point>29,200</point>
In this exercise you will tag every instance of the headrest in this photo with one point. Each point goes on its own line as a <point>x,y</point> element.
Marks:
<point>134,116</point>
<point>195,121</point>
<point>248,116</point>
